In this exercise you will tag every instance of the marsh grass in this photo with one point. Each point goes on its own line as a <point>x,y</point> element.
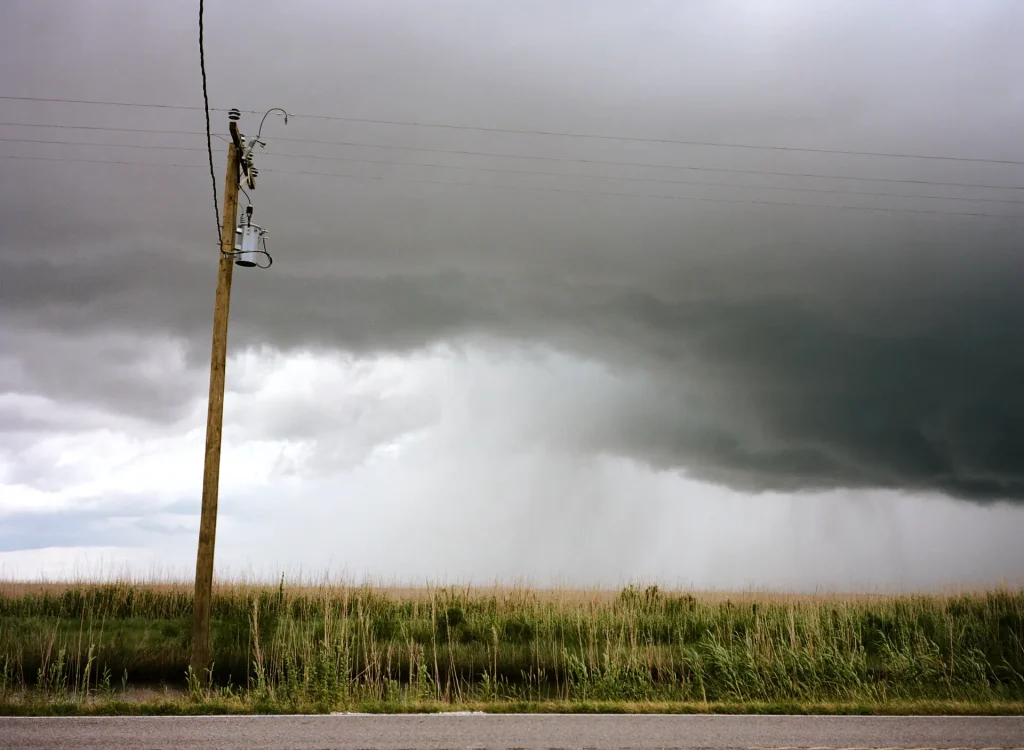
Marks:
<point>321,647</point>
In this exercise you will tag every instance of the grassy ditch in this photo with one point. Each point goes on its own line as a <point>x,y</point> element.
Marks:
<point>340,648</point>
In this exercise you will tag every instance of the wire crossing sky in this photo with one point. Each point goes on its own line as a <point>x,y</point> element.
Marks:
<point>720,293</point>
<point>503,155</point>
<point>515,131</point>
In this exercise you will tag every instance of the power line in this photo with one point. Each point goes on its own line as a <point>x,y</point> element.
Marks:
<point>113,104</point>
<point>551,133</point>
<point>685,198</point>
<point>646,179</point>
<point>100,128</point>
<point>648,165</point>
<point>206,107</point>
<point>655,195</point>
<point>666,141</point>
<point>500,170</point>
<point>532,157</point>
<point>101,161</point>
<point>101,145</point>
<point>386,178</point>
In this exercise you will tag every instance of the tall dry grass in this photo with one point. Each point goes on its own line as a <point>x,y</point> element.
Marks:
<point>328,644</point>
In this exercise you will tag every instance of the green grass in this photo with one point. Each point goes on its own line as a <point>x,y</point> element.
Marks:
<point>76,648</point>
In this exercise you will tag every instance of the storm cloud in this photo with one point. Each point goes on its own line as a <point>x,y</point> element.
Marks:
<point>848,342</point>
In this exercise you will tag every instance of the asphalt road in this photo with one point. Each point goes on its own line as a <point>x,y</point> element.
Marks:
<point>478,731</point>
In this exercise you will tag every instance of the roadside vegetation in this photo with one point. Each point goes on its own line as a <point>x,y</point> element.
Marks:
<point>124,648</point>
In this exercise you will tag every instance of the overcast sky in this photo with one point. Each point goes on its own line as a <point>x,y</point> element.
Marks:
<point>500,356</point>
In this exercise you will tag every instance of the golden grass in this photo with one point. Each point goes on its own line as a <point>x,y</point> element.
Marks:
<point>568,596</point>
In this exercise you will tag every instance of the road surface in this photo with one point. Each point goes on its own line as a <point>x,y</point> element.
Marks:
<point>354,732</point>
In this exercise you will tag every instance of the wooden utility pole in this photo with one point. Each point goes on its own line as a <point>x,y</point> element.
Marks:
<point>201,651</point>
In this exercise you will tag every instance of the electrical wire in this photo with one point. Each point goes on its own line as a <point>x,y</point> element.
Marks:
<point>206,107</point>
<point>525,131</point>
<point>270,258</point>
<point>653,195</point>
<point>1016,217</point>
<point>665,141</point>
<point>646,165</point>
<point>615,178</point>
<point>107,103</point>
<point>502,170</point>
<point>19,157</point>
<point>62,126</point>
<point>266,114</point>
<point>102,145</point>
<point>532,157</point>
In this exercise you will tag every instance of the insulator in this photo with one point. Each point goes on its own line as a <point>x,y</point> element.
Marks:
<point>234,115</point>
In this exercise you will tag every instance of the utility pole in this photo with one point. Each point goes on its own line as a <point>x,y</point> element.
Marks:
<point>201,651</point>
<point>242,245</point>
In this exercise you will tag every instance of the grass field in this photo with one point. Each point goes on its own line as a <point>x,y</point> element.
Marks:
<point>90,647</point>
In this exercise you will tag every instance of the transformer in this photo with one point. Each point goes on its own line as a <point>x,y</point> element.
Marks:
<point>248,251</point>
<point>250,243</point>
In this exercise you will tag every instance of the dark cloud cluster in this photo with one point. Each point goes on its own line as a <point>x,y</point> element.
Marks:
<point>762,347</point>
